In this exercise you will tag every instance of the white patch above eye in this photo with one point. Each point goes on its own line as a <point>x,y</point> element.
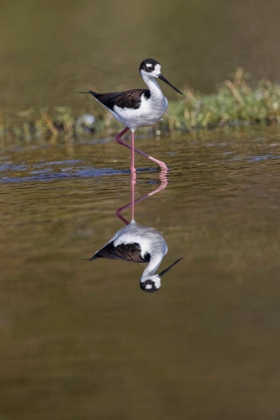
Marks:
<point>149,65</point>
<point>149,286</point>
<point>157,69</point>
<point>157,281</point>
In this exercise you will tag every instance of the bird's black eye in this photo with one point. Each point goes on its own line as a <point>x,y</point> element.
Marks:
<point>148,286</point>
<point>149,68</point>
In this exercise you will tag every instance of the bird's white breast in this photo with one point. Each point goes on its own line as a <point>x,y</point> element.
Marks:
<point>150,112</point>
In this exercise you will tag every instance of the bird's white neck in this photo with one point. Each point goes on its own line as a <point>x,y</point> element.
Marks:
<point>152,267</point>
<point>152,85</point>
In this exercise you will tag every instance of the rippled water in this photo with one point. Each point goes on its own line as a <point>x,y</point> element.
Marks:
<point>80,340</point>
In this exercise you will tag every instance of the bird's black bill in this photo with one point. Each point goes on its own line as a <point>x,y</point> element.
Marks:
<point>168,268</point>
<point>161,77</point>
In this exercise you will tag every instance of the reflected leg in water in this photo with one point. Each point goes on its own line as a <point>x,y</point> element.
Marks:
<point>162,186</point>
<point>161,164</point>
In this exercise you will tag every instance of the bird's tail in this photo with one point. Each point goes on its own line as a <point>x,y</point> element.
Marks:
<point>91,259</point>
<point>95,256</point>
<point>91,92</point>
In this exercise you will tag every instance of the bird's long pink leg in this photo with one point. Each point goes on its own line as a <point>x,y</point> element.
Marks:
<point>161,164</point>
<point>132,176</point>
<point>132,167</point>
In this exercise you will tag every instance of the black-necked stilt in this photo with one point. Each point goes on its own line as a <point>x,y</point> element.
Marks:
<point>138,244</point>
<point>138,107</point>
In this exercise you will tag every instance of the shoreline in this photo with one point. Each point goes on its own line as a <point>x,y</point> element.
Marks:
<point>235,102</point>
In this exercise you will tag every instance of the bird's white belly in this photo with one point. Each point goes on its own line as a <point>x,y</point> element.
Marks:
<point>149,113</point>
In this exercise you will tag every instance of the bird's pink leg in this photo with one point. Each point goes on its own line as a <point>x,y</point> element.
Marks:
<point>132,167</point>
<point>132,175</point>
<point>161,164</point>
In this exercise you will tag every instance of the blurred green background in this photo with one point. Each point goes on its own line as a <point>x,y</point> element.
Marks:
<point>50,49</point>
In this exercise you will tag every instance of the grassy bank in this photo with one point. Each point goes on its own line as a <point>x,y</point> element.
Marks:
<point>235,101</point>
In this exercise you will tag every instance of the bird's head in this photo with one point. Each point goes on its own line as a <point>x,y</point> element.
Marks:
<point>151,68</point>
<point>153,283</point>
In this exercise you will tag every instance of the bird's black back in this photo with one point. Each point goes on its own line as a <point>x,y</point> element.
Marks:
<point>128,99</point>
<point>126,252</point>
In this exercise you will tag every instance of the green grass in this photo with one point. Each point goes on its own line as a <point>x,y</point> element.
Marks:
<point>235,101</point>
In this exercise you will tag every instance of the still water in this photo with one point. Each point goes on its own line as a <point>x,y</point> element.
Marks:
<point>80,340</point>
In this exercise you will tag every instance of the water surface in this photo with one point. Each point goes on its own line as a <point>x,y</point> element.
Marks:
<point>81,340</point>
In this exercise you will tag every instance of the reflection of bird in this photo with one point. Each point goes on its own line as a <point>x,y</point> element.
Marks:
<point>138,107</point>
<point>139,244</point>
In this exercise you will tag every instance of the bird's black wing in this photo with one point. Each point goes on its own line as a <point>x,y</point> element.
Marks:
<point>128,99</point>
<point>126,252</point>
